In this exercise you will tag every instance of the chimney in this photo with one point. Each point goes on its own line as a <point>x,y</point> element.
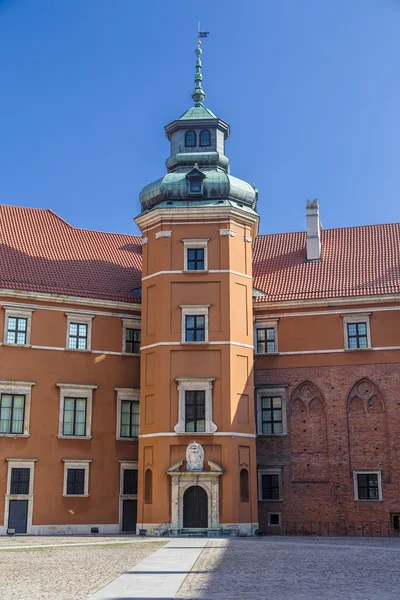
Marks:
<point>313,230</point>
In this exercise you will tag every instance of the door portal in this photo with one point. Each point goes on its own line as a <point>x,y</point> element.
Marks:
<point>195,508</point>
<point>18,515</point>
<point>129,511</point>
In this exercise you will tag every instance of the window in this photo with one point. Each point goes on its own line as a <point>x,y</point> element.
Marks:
<point>20,480</point>
<point>244,485</point>
<point>190,139</point>
<point>195,186</point>
<point>130,482</point>
<point>194,323</point>
<point>12,408</point>
<point>395,521</point>
<point>271,414</point>
<point>76,477</point>
<point>148,487</point>
<point>367,485</point>
<point>75,420</point>
<point>17,326</point>
<point>195,255</point>
<point>195,328</point>
<point>128,413</point>
<point>274,519</point>
<point>357,331</point>
<point>195,405</point>
<point>195,410</point>
<point>79,331</point>
<point>266,340</point>
<point>129,419</point>
<point>205,138</point>
<point>271,410</point>
<point>132,342</point>
<point>270,484</point>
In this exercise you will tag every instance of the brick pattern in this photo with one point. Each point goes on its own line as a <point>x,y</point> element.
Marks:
<point>340,419</point>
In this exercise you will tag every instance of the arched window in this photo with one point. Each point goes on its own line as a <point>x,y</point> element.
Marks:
<point>190,139</point>
<point>205,138</point>
<point>148,487</point>
<point>244,485</point>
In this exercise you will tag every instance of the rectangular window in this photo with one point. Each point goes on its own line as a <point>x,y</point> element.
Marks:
<point>195,328</point>
<point>195,186</point>
<point>195,410</point>
<point>271,419</point>
<point>129,419</point>
<point>19,483</point>
<point>270,489</point>
<point>12,409</point>
<point>367,486</point>
<point>132,340</point>
<point>75,482</point>
<point>274,519</point>
<point>195,259</point>
<point>266,340</point>
<point>16,330</point>
<point>357,335</point>
<point>130,483</point>
<point>78,336</point>
<point>74,417</point>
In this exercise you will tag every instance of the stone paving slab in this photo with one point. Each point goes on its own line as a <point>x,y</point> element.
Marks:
<point>158,576</point>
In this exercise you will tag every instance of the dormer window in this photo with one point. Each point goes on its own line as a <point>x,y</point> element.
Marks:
<point>190,139</point>
<point>195,179</point>
<point>195,186</point>
<point>205,138</point>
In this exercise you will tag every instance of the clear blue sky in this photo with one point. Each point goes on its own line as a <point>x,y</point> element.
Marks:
<point>311,89</point>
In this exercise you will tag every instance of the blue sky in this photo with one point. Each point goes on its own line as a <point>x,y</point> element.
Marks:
<point>311,89</point>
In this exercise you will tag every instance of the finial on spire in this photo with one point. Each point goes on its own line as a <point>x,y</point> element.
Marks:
<point>198,93</point>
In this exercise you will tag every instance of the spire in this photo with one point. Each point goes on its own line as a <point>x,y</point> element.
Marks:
<point>198,93</point>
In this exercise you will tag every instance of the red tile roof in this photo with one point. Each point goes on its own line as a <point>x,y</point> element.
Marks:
<point>356,261</point>
<point>41,252</point>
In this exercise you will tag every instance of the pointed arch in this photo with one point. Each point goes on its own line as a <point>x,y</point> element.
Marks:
<point>307,392</point>
<point>366,391</point>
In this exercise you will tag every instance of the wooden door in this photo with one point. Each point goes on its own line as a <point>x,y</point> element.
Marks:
<point>195,508</point>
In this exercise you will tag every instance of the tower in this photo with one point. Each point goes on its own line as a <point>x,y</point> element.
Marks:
<point>197,459</point>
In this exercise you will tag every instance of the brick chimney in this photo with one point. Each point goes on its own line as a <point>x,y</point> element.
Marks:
<point>313,230</point>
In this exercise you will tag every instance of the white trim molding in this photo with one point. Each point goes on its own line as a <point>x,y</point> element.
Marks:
<point>271,391</point>
<point>19,388</point>
<point>75,463</point>
<point>144,240</point>
<point>248,238</point>
<point>201,384</point>
<point>195,244</point>
<point>18,313</point>
<point>131,394</point>
<point>75,390</point>
<point>266,324</point>
<point>129,324</point>
<point>231,434</point>
<point>194,310</point>
<point>367,472</point>
<point>20,463</point>
<point>355,318</point>
<point>80,319</point>
<point>228,232</point>
<point>163,233</point>
<point>273,470</point>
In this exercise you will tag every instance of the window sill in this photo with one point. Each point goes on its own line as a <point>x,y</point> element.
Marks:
<point>78,350</point>
<point>127,439</point>
<point>130,353</point>
<point>358,349</point>
<point>378,500</point>
<point>16,345</point>
<point>195,271</point>
<point>15,435</point>
<point>75,437</point>
<point>195,343</point>
<point>75,495</point>
<point>268,500</point>
<point>266,353</point>
<point>192,433</point>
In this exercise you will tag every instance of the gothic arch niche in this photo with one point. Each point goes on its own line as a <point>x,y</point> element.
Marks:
<point>309,437</point>
<point>367,426</point>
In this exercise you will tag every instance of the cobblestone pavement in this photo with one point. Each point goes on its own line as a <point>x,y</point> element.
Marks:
<point>64,572</point>
<point>296,569</point>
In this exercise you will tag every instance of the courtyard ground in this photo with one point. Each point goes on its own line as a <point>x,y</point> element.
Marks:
<point>271,568</point>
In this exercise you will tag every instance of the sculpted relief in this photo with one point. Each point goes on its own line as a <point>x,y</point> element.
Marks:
<point>194,457</point>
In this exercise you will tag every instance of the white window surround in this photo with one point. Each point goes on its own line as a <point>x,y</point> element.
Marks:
<point>356,318</point>
<point>72,390</point>
<point>263,324</point>
<point>21,388</point>
<point>125,394</point>
<point>367,472</point>
<point>269,471</point>
<point>20,463</point>
<point>129,324</point>
<point>199,384</point>
<point>195,243</point>
<point>19,313</point>
<point>75,463</point>
<point>81,320</point>
<point>274,524</point>
<point>271,391</point>
<point>194,310</point>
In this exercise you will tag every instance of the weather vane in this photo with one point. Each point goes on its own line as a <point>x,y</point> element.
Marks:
<point>200,32</point>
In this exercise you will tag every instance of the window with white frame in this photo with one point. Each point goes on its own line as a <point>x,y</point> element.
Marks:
<point>128,478</point>
<point>79,331</point>
<point>274,519</point>
<point>15,407</point>
<point>271,410</point>
<point>75,418</point>
<point>128,413</point>
<point>266,337</point>
<point>195,405</point>
<point>194,323</point>
<point>130,336</point>
<point>17,326</point>
<point>195,254</point>
<point>357,333</point>
<point>270,484</point>
<point>367,485</point>
<point>76,477</point>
